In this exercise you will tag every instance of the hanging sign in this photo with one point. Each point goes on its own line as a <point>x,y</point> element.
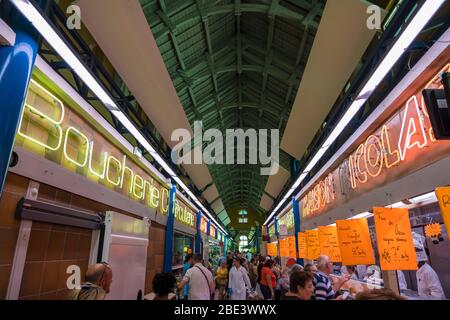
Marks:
<point>433,230</point>
<point>284,248</point>
<point>312,239</point>
<point>394,239</point>
<point>302,245</point>
<point>443,195</point>
<point>272,249</point>
<point>292,248</point>
<point>329,244</point>
<point>354,242</point>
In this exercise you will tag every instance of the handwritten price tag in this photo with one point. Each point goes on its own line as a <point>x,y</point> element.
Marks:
<point>284,248</point>
<point>302,245</point>
<point>313,251</point>
<point>394,239</point>
<point>329,244</point>
<point>354,242</point>
<point>433,230</point>
<point>443,195</point>
<point>292,248</point>
<point>272,249</point>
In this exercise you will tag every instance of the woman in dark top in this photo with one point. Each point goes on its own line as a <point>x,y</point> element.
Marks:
<point>300,286</point>
<point>163,287</point>
<point>262,260</point>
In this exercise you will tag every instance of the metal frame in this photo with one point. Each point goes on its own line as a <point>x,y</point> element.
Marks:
<point>20,254</point>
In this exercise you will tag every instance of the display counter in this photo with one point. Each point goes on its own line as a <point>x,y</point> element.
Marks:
<point>356,286</point>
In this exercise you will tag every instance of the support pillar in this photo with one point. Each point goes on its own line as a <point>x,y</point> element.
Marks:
<point>16,66</point>
<point>198,235</point>
<point>277,235</point>
<point>296,213</point>
<point>168,244</point>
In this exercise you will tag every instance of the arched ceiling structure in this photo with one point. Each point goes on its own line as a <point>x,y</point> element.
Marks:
<point>236,64</point>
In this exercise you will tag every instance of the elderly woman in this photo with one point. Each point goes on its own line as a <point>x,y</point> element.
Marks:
<point>300,286</point>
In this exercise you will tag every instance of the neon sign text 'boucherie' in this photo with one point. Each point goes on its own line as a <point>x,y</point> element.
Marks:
<point>111,170</point>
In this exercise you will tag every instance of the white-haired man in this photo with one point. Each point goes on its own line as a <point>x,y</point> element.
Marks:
<point>323,286</point>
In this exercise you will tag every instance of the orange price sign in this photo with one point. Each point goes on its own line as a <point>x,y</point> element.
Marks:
<point>313,249</point>
<point>284,248</point>
<point>302,245</point>
<point>329,244</point>
<point>433,230</point>
<point>394,239</point>
<point>272,249</point>
<point>443,195</point>
<point>354,242</point>
<point>292,248</point>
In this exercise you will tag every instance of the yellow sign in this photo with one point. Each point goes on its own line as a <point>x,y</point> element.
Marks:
<point>354,242</point>
<point>302,245</point>
<point>329,244</point>
<point>394,239</point>
<point>292,247</point>
<point>443,195</point>
<point>284,248</point>
<point>287,219</point>
<point>60,135</point>
<point>272,249</point>
<point>313,249</point>
<point>433,230</point>
<point>272,230</point>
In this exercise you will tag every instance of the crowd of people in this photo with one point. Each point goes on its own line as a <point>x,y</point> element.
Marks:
<point>240,276</point>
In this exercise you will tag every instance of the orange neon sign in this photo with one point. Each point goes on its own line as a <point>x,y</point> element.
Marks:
<point>321,195</point>
<point>379,152</point>
<point>398,143</point>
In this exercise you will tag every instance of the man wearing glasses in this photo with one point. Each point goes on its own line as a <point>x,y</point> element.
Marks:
<point>97,285</point>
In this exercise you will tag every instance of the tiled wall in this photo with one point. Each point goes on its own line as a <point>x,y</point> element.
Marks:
<point>52,248</point>
<point>155,253</point>
<point>15,188</point>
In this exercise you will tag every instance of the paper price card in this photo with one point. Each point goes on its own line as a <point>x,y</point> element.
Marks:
<point>292,248</point>
<point>272,249</point>
<point>354,242</point>
<point>284,248</point>
<point>329,244</point>
<point>394,239</point>
<point>312,240</point>
<point>302,245</point>
<point>433,230</point>
<point>443,195</point>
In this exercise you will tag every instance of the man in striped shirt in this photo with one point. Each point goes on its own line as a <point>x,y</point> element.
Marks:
<point>323,287</point>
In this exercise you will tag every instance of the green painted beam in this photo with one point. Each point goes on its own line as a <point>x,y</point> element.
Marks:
<point>227,9</point>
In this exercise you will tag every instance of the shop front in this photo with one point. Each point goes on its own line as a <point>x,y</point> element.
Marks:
<point>374,204</point>
<point>80,194</point>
